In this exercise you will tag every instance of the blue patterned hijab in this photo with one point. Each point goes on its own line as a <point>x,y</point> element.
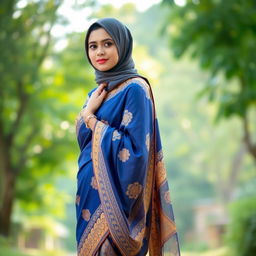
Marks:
<point>125,67</point>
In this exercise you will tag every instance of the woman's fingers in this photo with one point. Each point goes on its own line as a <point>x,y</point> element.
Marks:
<point>100,88</point>
<point>103,94</point>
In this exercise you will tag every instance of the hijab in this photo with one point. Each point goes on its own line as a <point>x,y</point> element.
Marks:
<point>125,67</point>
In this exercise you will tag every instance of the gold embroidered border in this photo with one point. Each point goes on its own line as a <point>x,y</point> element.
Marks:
<point>160,173</point>
<point>155,235</point>
<point>168,227</point>
<point>122,86</point>
<point>116,221</point>
<point>139,230</point>
<point>149,179</point>
<point>94,238</point>
<point>89,226</point>
<point>159,155</point>
<point>162,228</point>
<point>78,122</point>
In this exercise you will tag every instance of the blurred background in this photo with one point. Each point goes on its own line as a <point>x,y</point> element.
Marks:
<point>200,56</point>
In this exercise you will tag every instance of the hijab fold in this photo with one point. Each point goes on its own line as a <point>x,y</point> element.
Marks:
<point>125,67</point>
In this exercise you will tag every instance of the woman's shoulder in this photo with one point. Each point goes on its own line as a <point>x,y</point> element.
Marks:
<point>138,83</point>
<point>131,85</point>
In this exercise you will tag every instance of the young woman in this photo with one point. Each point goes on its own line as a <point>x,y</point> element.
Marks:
<point>123,200</point>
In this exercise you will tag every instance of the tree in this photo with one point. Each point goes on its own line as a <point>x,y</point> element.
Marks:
<point>40,96</point>
<point>222,36</point>
<point>242,227</point>
<point>25,37</point>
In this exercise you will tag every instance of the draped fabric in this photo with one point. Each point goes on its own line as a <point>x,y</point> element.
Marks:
<point>123,201</point>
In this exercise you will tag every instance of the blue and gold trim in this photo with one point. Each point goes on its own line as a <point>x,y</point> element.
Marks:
<point>94,234</point>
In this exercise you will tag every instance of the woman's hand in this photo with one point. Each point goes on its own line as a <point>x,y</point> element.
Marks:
<point>95,100</point>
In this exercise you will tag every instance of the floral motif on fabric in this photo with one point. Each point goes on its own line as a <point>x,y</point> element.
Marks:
<point>94,183</point>
<point>86,214</point>
<point>160,172</point>
<point>98,229</point>
<point>127,118</point>
<point>116,135</point>
<point>147,141</point>
<point>77,199</point>
<point>124,155</point>
<point>167,197</point>
<point>134,190</point>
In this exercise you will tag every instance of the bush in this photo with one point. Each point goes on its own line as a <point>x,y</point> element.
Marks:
<point>6,250</point>
<point>242,228</point>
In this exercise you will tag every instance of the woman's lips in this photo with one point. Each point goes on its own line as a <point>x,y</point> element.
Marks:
<point>101,61</point>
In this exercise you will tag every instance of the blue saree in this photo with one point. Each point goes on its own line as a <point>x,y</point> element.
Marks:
<point>123,203</point>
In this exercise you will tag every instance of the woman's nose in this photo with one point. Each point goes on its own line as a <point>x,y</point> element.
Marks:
<point>100,51</point>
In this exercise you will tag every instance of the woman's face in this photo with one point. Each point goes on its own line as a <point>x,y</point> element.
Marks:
<point>102,50</point>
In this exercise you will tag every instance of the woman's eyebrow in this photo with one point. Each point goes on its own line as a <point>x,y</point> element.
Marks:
<point>107,39</point>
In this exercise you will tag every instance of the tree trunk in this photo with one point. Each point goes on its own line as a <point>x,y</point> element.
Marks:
<point>250,144</point>
<point>8,176</point>
<point>7,203</point>
<point>247,137</point>
<point>235,169</point>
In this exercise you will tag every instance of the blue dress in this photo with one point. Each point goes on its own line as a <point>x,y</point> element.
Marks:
<point>123,203</point>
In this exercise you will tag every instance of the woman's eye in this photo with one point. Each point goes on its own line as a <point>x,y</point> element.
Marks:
<point>92,46</point>
<point>108,44</point>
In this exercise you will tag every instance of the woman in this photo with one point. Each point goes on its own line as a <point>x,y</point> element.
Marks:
<point>123,201</point>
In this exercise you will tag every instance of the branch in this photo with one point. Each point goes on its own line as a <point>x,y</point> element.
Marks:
<point>23,100</point>
<point>48,34</point>
<point>23,149</point>
<point>235,168</point>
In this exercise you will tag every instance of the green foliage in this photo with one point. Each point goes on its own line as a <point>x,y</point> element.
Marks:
<point>11,252</point>
<point>242,228</point>
<point>197,163</point>
<point>41,93</point>
<point>222,36</point>
<point>6,250</point>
